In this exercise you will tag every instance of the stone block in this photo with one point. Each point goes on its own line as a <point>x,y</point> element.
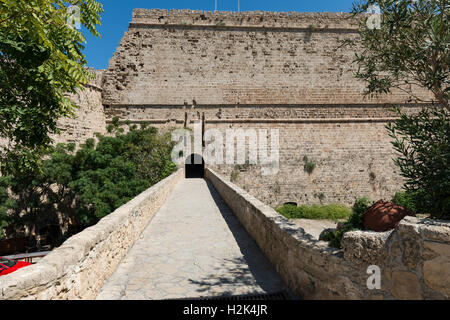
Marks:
<point>405,286</point>
<point>436,272</point>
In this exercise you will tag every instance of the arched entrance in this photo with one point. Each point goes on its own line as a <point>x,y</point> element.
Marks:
<point>195,166</point>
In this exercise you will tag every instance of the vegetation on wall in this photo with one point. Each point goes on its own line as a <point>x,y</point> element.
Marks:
<point>406,49</point>
<point>309,166</point>
<point>84,186</point>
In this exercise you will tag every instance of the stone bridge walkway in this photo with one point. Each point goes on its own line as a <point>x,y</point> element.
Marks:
<point>194,247</point>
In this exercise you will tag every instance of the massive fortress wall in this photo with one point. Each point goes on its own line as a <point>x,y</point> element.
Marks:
<point>263,70</point>
<point>177,57</point>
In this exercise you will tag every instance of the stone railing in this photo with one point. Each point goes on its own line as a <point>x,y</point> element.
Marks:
<point>78,268</point>
<point>414,259</point>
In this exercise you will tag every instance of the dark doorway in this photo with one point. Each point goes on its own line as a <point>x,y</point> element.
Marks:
<point>195,167</point>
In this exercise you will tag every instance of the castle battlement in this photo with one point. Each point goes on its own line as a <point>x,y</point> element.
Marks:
<point>266,19</point>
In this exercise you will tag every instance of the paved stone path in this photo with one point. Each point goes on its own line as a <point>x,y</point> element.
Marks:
<point>194,247</point>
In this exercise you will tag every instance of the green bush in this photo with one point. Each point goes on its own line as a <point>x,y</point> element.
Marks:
<point>407,199</point>
<point>87,185</point>
<point>289,211</point>
<point>359,208</point>
<point>354,222</point>
<point>332,212</point>
<point>422,142</point>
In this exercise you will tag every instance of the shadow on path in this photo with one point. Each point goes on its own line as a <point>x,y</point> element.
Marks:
<point>252,272</point>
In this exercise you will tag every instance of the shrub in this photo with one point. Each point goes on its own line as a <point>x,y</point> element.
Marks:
<point>290,211</point>
<point>332,212</point>
<point>359,208</point>
<point>87,185</point>
<point>354,222</point>
<point>422,142</point>
<point>407,199</point>
<point>3,223</point>
<point>334,238</point>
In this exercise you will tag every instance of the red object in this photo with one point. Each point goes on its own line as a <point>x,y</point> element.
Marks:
<point>384,216</point>
<point>8,266</point>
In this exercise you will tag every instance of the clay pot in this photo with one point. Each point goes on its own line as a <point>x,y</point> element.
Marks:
<point>384,216</point>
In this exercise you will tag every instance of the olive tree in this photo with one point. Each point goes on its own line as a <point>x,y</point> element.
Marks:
<point>405,43</point>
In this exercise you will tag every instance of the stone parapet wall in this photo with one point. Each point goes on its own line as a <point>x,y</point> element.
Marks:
<point>414,258</point>
<point>78,268</point>
<point>266,19</point>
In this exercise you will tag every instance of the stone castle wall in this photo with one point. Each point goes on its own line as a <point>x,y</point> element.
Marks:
<point>263,70</point>
<point>352,160</point>
<point>177,58</point>
<point>88,119</point>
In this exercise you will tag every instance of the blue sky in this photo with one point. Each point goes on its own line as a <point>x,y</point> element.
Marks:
<point>118,13</point>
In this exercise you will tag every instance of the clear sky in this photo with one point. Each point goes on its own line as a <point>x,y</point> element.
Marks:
<point>118,14</point>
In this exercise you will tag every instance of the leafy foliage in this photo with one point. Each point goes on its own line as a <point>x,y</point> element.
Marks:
<point>423,144</point>
<point>41,60</point>
<point>332,212</point>
<point>87,185</point>
<point>354,222</point>
<point>309,165</point>
<point>408,200</point>
<point>360,206</point>
<point>410,47</point>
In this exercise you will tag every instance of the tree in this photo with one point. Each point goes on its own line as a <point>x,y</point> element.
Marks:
<point>410,46</point>
<point>423,143</point>
<point>76,189</point>
<point>41,60</point>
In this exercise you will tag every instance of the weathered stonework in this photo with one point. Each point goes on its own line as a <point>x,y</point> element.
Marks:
<point>178,58</point>
<point>263,70</point>
<point>313,270</point>
<point>256,70</point>
<point>78,268</point>
<point>88,119</point>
